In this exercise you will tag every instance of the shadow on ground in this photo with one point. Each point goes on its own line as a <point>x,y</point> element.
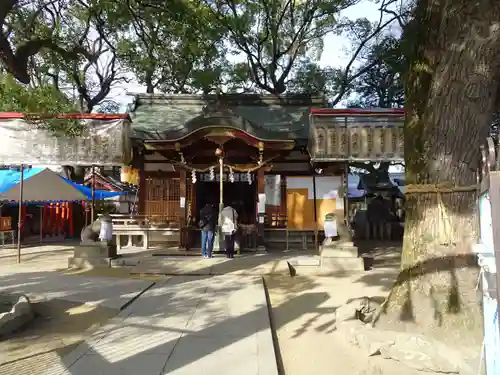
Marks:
<point>303,314</point>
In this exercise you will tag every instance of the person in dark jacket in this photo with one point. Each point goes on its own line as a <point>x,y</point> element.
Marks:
<point>208,221</point>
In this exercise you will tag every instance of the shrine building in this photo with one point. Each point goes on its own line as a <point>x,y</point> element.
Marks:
<point>283,161</point>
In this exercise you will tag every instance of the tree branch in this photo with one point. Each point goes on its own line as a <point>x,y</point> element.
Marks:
<point>347,80</point>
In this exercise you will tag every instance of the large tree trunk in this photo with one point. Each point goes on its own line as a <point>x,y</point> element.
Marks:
<point>451,90</point>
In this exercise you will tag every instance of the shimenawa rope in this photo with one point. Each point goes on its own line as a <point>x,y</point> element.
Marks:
<point>438,188</point>
<point>445,228</point>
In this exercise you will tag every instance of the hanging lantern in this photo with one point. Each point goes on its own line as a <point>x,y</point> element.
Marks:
<point>129,175</point>
<point>212,173</point>
<point>231,174</point>
<point>125,174</point>
<point>134,178</point>
<point>249,178</point>
<point>193,177</point>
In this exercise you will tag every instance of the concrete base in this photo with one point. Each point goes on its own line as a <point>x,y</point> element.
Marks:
<point>339,251</point>
<point>75,262</point>
<point>341,257</point>
<point>261,249</point>
<point>342,264</point>
<point>313,261</point>
<point>95,251</point>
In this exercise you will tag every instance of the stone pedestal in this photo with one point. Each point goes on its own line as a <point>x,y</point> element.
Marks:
<point>341,256</point>
<point>92,255</point>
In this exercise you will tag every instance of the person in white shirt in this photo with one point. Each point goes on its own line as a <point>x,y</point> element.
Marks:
<point>229,225</point>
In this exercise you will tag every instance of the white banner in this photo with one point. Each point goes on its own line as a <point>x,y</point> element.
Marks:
<point>272,189</point>
<point>103,142</point>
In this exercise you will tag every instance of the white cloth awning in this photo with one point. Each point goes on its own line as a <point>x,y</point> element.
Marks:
<point>104,141</point>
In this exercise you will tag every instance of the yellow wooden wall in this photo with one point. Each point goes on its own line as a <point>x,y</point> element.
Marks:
<point>300,200</point>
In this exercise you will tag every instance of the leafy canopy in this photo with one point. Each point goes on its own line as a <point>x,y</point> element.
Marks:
<point>44,102</point>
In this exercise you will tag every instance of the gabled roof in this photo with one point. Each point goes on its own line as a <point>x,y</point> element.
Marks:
<point>102,179</point>
<point>263,116</point>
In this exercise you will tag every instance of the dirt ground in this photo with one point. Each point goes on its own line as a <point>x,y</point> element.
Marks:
<point>303,314</point>
<point>58,328</point>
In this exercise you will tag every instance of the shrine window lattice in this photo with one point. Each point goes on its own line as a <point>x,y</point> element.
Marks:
<point>162,202</point>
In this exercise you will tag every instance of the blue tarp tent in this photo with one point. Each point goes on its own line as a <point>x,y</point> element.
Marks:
<point>43,185</point>
<point>9,178</point>
<point>99,194</point>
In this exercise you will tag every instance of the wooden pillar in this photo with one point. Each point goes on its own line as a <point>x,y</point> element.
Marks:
<point>141,207</point>
<point>52,219</point>
<point>182,211</point>
<point>46,211</point>
<point>70,220</point>
<point>260,215</point>
<point>315,212</point>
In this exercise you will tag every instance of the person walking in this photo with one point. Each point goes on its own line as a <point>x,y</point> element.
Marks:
<point>207,222</point>
<point>229,225</point>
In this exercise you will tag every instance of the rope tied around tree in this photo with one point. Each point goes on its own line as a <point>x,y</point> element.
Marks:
<point>445,228</point>
<point>446,188</point>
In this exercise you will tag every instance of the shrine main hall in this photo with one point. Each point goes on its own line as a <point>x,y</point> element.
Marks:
<point>282,162</point>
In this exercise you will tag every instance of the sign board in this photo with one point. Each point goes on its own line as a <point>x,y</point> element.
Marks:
<point>261,204</point>
<point>272,188</point>
<point>238,177</point>
<point>103,142</point>
<point>485,222</point>
<point>357,138</point>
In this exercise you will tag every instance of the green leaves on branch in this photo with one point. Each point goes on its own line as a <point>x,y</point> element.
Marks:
<point>44,102</point>
<point>181,46</point>
<point>168,52</point>
<point>273,34</point>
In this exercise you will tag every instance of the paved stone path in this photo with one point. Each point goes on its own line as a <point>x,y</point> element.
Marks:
<point>108,292</point>
<point>182,326</point>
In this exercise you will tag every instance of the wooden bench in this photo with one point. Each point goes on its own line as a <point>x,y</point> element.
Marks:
<point>140,226</point>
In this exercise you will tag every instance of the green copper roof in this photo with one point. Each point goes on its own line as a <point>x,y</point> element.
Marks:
<point>265,117</point>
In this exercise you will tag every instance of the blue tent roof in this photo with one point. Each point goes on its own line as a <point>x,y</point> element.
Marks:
<point>9,178</point>
<point>99,194</point>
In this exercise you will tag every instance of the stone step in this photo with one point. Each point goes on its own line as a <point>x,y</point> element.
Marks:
<point>330,264</point>
<point>305,261</point>
<point>89,262</point>
<point>339,252</point>
<point>94,251</point>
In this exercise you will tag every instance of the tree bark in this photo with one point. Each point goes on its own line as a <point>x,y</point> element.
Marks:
<point>451,89</point>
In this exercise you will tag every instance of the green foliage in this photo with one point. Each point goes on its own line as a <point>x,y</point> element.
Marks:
<point>66,44</point>
<point>170,53</point>
<point>373,75</point>
<point>381,84</point>
<point>273,34</point>
<point>182,46</point>
<point>310,78</point>
<point>43,102</point>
